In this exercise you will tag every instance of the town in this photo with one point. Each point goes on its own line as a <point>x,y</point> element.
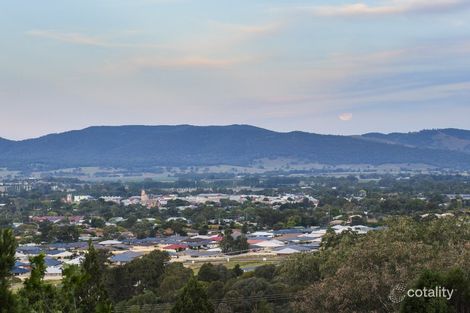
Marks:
<point>190,224</point>
<point>183,156</point>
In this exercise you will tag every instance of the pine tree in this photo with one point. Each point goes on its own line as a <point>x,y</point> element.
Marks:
<point>93,295</point>
<point>83,287</point>
<point>7,261</point>
<point>36,296</point>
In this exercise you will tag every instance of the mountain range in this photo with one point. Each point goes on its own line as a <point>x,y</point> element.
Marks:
<point>186,145</point>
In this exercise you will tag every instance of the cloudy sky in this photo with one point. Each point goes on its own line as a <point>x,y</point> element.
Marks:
<point>336,67</point>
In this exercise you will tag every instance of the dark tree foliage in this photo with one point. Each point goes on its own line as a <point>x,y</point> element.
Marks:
<point>37,296</point>
<point>358,273</point>
<point>246,295</point>
<point>176,276</point>
<point>7,260</point>
<point>57,233</point>
<point>332,240</point>
<point>193,299</point>
<point>210,272</point>
<point>266,271</point>
<point>237,270</point>
<point>97,222</point>
<point>124,282</point>
<point>263,307</point>
<point>84,286</point>
<point>233,246</point>
<point>455,280</point>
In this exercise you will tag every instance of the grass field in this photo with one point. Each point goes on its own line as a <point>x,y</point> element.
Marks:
<point>243,261</point>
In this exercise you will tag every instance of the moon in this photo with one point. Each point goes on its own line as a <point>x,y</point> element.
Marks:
<point>345,116</point>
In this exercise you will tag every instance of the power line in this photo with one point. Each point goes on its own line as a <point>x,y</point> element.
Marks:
<point>230,301</point>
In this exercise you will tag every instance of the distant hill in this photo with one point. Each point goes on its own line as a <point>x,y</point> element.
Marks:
<point>185,145</point>
<point>443,139</point>
<point>5,144</point>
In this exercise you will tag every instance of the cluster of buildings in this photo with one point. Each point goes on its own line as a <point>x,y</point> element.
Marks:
<point>180,248</point>
<point>72,220</point>
<point>162,200</point>
<point>7,188</point>
<point>463,197</point>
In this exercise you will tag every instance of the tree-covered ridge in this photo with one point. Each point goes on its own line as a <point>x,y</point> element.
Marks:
<point>350,273</point>
<point>443,139</point>
<point>185,145</point>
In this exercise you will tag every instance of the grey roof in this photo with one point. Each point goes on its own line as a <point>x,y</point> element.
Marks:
<point>51,262</point>
<point>125,257</point>
<point>69,245</point>
<point>143,242</point>
<point>300,248</point>
<point>20,264</point>
<point>198,244</point>
<point>201,253</point>
<point>289,231</point>
<point>54,252</point>
<point>173,240</point>
<point>30,250</point>
<point>19,270</point>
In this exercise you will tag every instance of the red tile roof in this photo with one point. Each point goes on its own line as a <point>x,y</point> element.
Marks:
<point>175,247</point>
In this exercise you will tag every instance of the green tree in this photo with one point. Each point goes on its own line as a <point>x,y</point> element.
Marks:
<point>36,296</point>
<point>299,270</point>
<point>45,230</point>
<point>210,272</point>
<point>241,244</point>
<point>145,273</point>
<point>72,279</point>
<point>227,244</point>
<point>233,246</point>
<point>97,222</point>
<point>83,287</point>
<point>244,229</point>
<point>455,280</point>
<point>244,295</point>
<point>266,271</point>
<point>93,294</point>
<point>263,307</point>
<point>332,240</point>
<point>237,270</point>
<point>66,233</point>
<point>7,261</point>
<point>193,299</point>
<point>176,277</point>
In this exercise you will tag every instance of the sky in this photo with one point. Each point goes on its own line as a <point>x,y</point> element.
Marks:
<point>331,67</point>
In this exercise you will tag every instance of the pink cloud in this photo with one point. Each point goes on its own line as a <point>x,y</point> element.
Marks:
<point>389,7</point>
